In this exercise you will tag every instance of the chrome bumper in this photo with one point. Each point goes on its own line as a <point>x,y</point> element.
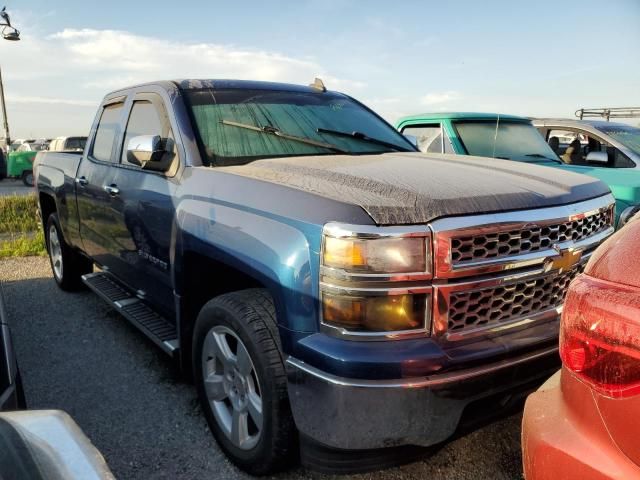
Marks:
<point>352,414</point>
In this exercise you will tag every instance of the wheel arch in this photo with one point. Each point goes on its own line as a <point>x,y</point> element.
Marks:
<point>48,206</point>
<point>213,258</point>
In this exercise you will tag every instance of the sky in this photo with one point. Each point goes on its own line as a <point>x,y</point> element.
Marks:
<point>533,58</point>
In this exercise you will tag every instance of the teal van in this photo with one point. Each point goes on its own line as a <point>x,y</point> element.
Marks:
<point>608,151</point>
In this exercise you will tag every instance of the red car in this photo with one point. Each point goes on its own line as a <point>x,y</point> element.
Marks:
<point>584,423</point>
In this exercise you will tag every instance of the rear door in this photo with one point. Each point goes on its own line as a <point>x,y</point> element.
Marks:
<point>96,206</point>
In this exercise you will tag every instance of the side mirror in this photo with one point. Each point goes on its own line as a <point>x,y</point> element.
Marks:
<point>597,157</point>
<point>147,151</point>
<point>412,139</point>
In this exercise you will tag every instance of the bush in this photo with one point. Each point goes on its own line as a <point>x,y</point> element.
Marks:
<point>23,246</point>
<point>20,232</point>
<point>18,214</point>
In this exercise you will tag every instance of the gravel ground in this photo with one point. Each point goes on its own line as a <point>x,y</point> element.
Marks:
<point>78,355</point>
<point>14,187</point>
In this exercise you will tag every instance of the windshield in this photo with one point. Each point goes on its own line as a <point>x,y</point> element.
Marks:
<point>514,141</point>
<point>222,117</point>
<point>627,135</point>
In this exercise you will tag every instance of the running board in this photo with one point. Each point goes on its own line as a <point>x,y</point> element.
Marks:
<point>147,320</point>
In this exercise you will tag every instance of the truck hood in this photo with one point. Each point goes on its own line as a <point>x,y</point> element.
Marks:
<point>411,188</point>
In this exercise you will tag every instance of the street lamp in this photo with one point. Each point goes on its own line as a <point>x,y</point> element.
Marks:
<point>12,33</point>
<point>9,32</point>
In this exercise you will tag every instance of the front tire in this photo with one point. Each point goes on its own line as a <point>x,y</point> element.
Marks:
<point>67,265</point>
<point>241,381</point>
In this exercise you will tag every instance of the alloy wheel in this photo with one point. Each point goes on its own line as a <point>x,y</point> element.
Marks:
<point>232,387</point>
<point>55,252</point>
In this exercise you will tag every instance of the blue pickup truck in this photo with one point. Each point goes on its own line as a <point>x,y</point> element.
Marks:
<point>329,289</point>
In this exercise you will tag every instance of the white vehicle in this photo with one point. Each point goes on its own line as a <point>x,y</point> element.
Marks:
<point>19,141</point>
<point>62,144</point>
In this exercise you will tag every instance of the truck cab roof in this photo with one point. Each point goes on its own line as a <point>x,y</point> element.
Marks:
<point>461,116</point>
<point>224,84</point>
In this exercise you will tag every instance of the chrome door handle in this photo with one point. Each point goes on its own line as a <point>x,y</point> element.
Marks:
<point>82,181</point>
<point>112,189</point>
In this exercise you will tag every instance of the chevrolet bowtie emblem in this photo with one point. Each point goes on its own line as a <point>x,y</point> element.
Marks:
<point>565,260</point>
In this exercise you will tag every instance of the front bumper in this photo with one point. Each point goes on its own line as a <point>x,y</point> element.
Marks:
<point>350,414</point>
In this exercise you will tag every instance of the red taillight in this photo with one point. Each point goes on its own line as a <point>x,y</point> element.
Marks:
<point>600,336</point>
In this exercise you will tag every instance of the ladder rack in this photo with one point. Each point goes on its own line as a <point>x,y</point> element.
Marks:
<point>608,113</point>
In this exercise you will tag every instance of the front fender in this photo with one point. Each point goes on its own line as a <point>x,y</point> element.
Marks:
<point>281,254</point>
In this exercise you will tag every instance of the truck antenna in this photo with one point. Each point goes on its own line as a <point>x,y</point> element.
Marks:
<point>495,137</point>
<point>318,84</point>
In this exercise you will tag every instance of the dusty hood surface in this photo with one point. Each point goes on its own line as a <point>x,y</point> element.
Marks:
<point>406,188</point>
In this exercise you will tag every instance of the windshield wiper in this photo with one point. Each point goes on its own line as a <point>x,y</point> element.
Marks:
<point>538,155</point>
<point>361,136</point>
<point>275,131</point>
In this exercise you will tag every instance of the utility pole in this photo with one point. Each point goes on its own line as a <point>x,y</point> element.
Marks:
<point>5,121</point>
<point>8,32</point>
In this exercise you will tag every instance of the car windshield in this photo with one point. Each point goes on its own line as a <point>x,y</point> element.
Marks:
<point>238,126</point>
<point>512,141</point>
<point>627,135</point>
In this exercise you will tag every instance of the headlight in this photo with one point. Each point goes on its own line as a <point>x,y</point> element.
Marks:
<point>361,268</point>
<point>380,254</point>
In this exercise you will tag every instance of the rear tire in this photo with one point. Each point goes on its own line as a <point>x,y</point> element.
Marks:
<point>67,265</point>
<point>27,178</point>
<point>241,381</point>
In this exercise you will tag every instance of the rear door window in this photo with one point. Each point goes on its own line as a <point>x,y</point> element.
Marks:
<point>106,133</point>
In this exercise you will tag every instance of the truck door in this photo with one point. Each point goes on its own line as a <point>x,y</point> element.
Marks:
<point>144,209</point>
<point>93,180</point>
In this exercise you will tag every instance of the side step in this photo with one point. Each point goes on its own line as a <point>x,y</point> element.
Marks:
<point>149,322</point>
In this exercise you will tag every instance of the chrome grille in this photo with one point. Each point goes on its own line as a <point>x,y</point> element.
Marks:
<point>509,302</point>
<point>519,241</point>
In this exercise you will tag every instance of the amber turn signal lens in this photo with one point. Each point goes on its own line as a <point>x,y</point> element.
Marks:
<point>377,313</point>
